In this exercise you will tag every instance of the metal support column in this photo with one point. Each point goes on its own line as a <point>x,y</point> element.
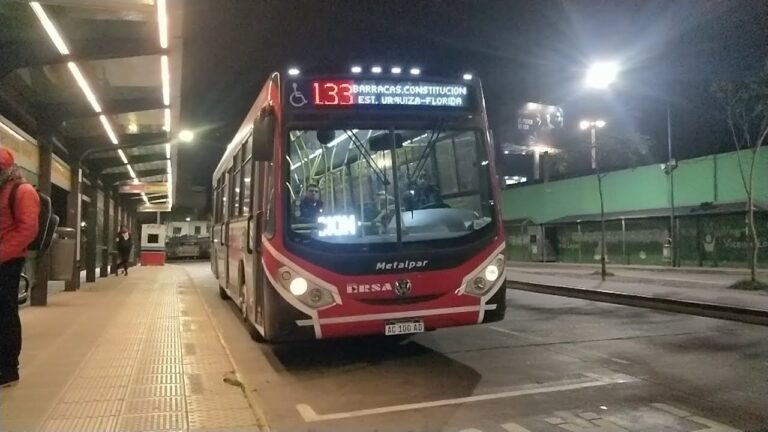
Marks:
<point>116,223</point>
<point>39,292</point>
<point>92,243</point>
<point>73,220</point>
<point>106,231</point>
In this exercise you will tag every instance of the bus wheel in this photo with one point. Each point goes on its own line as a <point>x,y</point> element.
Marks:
<point>223,293</point>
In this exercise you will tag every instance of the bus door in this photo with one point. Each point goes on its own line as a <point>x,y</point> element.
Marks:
<point>222,233</point>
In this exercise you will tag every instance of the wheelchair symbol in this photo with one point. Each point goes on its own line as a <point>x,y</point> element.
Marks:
<point>297,98</point>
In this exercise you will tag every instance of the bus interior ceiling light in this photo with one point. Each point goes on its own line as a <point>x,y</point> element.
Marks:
<point>356,69</point>
<point>396,69</point>
<point>601,75</point>
<point>376,69</point>
<point>293,71</point>
<point>108,129</point>
<point>53,33</point>
<point>415,71</point>
<point>165,75</point>
<point>162,21</point>
<point>84,86</point>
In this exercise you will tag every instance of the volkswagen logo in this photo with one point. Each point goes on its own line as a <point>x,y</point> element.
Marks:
<point>403,287</point>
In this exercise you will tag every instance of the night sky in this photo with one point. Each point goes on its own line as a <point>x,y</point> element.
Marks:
<point>670,52</point>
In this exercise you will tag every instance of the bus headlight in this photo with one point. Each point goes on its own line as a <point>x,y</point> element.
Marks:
<point>486,278</point>
<point>298,286</point>
<point>492,273</point>
<point>306,292</point>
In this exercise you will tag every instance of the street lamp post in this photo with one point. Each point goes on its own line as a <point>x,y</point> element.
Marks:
<point>593,125</point>
<point>671,165</point>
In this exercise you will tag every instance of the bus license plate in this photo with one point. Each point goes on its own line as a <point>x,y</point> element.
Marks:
<point>404,328</point>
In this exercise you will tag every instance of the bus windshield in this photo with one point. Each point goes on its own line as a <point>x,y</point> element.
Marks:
<point>346,186</point>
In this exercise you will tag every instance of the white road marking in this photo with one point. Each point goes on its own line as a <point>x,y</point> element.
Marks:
<point>514,427</point>
<point>540,340</point>
<point>594,380</point>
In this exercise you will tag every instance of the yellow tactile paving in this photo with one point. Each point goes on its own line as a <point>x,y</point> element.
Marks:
<point>125,354</point>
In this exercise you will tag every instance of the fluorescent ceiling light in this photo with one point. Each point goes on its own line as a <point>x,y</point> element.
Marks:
<point>84,86</point>
<point>132,173</point>
<point>167,122</point>
<point>168,165</point>
<point>11,131</point>
<point>168,151</point>
<point>49,28</point>
<point>122,156</point>
<point>108,128</point>
<point>165,75</point>
<point>162,21</point>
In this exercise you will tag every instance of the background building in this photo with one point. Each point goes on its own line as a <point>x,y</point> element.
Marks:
<point>560,220</point>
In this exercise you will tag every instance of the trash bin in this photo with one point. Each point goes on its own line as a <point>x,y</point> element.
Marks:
<point>63,253</point>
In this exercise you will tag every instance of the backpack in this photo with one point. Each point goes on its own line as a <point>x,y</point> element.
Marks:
<point>47,221</point>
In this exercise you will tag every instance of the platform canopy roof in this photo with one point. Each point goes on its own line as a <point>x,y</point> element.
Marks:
<point>97,74</point>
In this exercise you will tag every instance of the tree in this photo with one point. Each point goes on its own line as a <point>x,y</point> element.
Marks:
<point>746,111</point>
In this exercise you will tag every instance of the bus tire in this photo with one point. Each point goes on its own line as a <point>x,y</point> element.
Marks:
<point>223,293</point>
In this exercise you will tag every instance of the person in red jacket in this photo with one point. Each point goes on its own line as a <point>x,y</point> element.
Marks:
<point>18,227</point>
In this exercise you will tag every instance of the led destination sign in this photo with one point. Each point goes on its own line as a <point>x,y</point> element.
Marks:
<point>351,93</point>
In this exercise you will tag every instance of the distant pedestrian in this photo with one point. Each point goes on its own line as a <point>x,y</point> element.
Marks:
<point>19,220</point>
<point>124,247</point>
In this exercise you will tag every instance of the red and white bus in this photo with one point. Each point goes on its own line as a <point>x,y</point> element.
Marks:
<point>360,204</point>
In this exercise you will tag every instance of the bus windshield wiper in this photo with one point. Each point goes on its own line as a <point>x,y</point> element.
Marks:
<point>367,156</point>
<point>422,161</point>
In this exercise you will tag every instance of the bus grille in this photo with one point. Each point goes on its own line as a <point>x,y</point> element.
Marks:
<point>399,300</point>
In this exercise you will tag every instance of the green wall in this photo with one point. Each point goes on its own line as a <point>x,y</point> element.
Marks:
<point>713,179</point>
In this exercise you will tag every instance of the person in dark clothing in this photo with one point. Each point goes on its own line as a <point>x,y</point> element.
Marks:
<point>124,246</point>
<point>311,205</point>
<point>18,228</point>
<point>423,194</point>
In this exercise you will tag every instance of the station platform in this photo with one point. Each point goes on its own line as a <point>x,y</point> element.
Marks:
<point>701,292</point>
<point>135,353</point>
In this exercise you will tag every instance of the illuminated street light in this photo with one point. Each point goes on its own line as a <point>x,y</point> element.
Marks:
<point>415,71</point>
<point>583,125</point>
<point>600,123</point>
<point>396,70</point>
<point>356,69</point>
<point>293,71</point>
<point>186,136</point>
<point>376,69</point>
<point>601,75</point>
<point>467,76</point>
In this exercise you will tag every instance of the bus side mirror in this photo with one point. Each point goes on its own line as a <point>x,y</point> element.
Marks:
<point>264,134</point>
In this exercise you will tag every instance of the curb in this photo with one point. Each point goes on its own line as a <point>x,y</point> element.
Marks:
<point>689,307</point>
<point>649,268</point>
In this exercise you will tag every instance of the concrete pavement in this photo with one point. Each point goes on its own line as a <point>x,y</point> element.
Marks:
<point>136,353</point>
